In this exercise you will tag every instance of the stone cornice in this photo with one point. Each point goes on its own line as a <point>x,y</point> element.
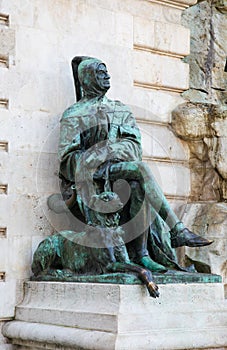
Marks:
<point>158,52</point>
<point>179,4</point>
<point>158,87</point>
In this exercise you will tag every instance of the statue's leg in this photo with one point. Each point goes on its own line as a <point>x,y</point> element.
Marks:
<point>139,171</point>
<point>138,225</point>
<point>140,213</point>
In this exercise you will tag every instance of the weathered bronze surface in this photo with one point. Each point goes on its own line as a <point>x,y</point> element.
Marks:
<point>171,276</point>
<point>61,256</point>
<point>101,161</point>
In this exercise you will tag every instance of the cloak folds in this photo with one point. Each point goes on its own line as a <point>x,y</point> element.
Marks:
<point>96,132</point>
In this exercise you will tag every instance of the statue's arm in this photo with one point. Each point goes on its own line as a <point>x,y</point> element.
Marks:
<point>128,144</point>
<point>74,160</point>
<point>125,146</point>
<point>69,150</point>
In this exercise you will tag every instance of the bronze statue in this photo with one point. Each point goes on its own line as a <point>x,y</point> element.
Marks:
<point>100,141</point>
<point>99,145</point>
<point>61,256</point>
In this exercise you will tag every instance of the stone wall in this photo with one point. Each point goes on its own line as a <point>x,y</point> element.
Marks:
<point>142,42</point>
<point>207,23</point>
<point>202,123</point>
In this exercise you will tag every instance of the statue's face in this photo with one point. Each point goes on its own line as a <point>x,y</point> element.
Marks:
<point>102,76</point>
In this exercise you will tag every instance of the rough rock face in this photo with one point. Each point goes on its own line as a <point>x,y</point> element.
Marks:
<point>204,128</point>
<point>207,23</point>
<point>210,220</point>
<point>202,123</point>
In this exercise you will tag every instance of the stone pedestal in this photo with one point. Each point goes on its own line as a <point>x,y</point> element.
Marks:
<point>66,316</point>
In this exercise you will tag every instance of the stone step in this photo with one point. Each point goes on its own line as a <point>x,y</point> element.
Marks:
<point>121,317</point>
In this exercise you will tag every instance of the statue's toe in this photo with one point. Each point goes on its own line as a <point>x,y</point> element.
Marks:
<point>188,238</point>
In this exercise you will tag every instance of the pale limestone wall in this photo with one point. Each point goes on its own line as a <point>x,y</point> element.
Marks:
<point>142,42</point>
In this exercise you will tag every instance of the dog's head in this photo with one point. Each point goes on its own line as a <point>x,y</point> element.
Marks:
<point>105,208</point>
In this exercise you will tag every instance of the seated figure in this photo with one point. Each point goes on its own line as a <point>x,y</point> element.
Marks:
<point>100,144</point>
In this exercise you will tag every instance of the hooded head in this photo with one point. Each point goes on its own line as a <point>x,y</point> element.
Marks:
<point>93,77</point>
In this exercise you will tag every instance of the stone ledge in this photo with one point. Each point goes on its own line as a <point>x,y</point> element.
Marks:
<point>120,317</point>
<point>45,336</point>
<point>41,336</point>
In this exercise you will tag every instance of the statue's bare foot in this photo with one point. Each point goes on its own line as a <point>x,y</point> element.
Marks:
<point>151,265</point>
<point>187,238</point>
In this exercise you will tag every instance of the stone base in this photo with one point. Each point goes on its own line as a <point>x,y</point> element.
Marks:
<point>65,316</point>
<point>171,276</point>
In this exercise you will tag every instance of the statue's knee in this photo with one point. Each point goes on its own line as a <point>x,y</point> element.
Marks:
<point>137,191</point>
<point>144,168</point>
<point>135,185</point>
<point>134,168</point>
<point>140,169</point>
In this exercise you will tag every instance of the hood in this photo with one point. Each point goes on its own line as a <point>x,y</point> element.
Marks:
<point>87,78</point>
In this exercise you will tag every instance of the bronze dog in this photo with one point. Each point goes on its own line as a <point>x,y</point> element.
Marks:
<point>98,251</point>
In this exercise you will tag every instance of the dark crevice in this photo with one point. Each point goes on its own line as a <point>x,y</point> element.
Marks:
<point>210,56</point>
<point>217,89</point>
<point>201,90</point>
<point>199,265</point>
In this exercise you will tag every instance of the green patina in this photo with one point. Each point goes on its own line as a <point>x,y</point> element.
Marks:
<point>129,230</point>
<point>169,277</point>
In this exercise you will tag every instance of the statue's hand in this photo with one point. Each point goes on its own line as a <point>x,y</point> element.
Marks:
<point>95,157</point>
<point>100,173</point>
<point>119,151</point>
